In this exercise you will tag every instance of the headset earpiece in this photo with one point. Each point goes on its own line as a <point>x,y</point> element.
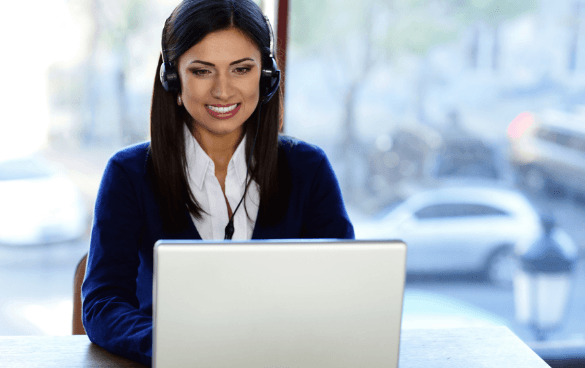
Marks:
<point>169,76</point>
<point>269,81</point>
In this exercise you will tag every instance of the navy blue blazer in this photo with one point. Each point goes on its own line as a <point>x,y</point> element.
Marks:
<point>117,290</point>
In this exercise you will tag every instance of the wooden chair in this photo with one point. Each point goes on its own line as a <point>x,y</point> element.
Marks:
<point>77,282</point>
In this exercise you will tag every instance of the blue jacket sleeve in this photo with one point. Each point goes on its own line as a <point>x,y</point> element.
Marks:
<point>326,214</point>
<point>111,312</point>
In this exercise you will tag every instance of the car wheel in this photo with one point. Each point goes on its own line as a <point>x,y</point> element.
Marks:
<point>501,266</point>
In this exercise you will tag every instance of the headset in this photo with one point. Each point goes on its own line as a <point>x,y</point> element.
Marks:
<point>269,79</point>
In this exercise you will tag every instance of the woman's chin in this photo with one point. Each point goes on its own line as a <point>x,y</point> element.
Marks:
<point>220,130</point>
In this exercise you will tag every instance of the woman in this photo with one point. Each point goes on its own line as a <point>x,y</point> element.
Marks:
<point>215,117</point>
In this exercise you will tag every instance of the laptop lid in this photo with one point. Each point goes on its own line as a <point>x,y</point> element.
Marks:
<point>278,303</point>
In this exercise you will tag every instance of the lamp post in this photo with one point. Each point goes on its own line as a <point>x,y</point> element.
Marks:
<point>544,281</point>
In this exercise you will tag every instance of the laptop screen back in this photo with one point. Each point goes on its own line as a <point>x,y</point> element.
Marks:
<point>278,304</point>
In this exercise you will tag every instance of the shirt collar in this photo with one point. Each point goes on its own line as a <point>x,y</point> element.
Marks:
<point>198,162</point>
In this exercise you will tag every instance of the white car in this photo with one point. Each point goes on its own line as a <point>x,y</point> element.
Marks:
<point>38,205</point>
<point>459,229</point>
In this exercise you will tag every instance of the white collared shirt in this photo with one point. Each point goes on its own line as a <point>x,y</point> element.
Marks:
<point>207,190</point>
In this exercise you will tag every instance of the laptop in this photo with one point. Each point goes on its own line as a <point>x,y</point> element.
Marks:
<point>269,304</point>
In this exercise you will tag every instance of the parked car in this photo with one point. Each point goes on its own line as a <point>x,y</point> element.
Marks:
<point>38,205</point>
<point>459,229</point>
<point>548,150</point>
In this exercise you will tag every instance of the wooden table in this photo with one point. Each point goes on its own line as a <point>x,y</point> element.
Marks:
<point>494,347</point>
<point>57,351</point>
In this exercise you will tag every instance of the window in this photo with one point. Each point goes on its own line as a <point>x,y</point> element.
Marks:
<point>383,87</point>
<point>453,74</point>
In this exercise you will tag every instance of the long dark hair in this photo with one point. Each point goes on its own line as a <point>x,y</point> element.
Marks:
<point>189,23</point>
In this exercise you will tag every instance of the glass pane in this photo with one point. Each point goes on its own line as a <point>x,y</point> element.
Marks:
<point>79,92</point>
<point>82,91</point>
<point>479,100</point>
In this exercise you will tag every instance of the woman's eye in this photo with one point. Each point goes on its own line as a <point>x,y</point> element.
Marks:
<point>242,70</point>
<point>200,72</point>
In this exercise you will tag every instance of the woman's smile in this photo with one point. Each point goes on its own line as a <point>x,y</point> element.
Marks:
<point>223,111</point>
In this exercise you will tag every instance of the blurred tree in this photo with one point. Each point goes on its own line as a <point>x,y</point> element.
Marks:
<point>331,30</point>
<point>113,25</point>
<point>309,22</point>
<point>575,25</point>
<point>492,13</point>
<point>418,25</point>
<point>118,22</point>
<point>354,36</point>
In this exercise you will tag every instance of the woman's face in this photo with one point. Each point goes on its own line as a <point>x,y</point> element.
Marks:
<point>220,82</point>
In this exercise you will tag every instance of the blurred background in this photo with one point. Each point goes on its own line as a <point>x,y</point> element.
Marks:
<point>454,125</point>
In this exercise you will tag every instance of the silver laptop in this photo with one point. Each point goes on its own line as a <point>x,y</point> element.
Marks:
<point>265,304</point>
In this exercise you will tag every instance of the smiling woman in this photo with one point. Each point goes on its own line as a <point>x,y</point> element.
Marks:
<point>215,145</point>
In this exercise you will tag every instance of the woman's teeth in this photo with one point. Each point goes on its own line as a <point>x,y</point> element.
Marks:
<point>222,110</point>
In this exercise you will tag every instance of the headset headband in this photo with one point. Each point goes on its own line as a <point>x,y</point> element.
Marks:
<point>272,53</point>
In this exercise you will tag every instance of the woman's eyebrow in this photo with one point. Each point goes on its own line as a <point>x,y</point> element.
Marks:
<point>211,64</point>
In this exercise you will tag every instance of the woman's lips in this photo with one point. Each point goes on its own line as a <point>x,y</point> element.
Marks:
<point>223,111</point>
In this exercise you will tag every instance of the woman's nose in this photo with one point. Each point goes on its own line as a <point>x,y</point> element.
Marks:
<point>222,88</point>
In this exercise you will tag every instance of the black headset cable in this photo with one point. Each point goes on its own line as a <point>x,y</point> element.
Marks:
<point>229,229</point>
